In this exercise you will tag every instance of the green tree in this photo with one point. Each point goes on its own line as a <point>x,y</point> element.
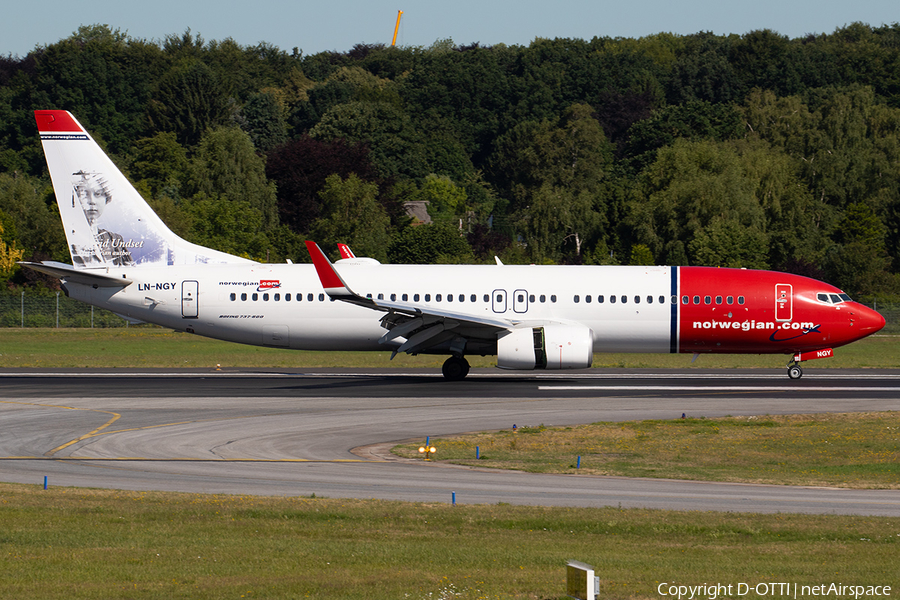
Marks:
<point>232,226</point>
<point>160,164</point>
<point>9,255</point>
<point>226,165</point>
<point>352,215</point>
<point>262,118</point>
<point>33,218</point>
<point>189,99</point>
<point>641,255</point>
<point>391,135</point>
<point>445,200</point>
<point>697,189</point>
<point>440,242</point>
<point>554,172</point>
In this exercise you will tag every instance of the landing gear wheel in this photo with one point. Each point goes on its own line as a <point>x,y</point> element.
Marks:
<point>455,368</point>
<point>795,372</point>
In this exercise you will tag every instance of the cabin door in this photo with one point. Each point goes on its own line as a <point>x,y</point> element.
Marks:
<point>189,294</point>
<point>784,302</point>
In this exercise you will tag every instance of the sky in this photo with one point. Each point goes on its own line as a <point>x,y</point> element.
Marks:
<point>339,25</point>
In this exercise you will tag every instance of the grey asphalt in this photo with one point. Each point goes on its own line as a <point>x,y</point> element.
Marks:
<point>328,432</point>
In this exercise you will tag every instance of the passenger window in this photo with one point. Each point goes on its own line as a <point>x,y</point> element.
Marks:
<point>531,297</point>
<point>707,300</point>
<point>649,299</point>
<point>487,298</point>
<point>543,298</point>
<point>255,297</point>
<point>277,297</point>
<point>381,296</point>
<point>662,299</point>
<point>612,299</point>
<point>521,297</point>
<point>499,298</point>
<point>684,299</point>
<point>675,299</point>
<point>696,299</point>
<point>473,298</point>
<point>233,296</point>
<point>718,299</point>
<point>265,297</point>
<point>601,299</point>
<point>730,299</point>
<point>577,298</point>
<point>406,297</point>
<point>740,299</point>
<point>244,297</point>
<point>624,299</point>
<point>637,299</point>
<point>309,297</point>
<point>427,297</point>
<point>587,298</point>
<point>321,297</point>
<point>462,297</point>
<point>437,298</point>
<point>553,298</point>
<point>393,297</point>
<point>415,297</point>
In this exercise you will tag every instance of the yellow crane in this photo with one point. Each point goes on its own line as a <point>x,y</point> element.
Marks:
<point>396,27</point>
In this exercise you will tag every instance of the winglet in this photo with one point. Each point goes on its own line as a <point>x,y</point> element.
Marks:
<point>331,281</point>
<point>345,251</point>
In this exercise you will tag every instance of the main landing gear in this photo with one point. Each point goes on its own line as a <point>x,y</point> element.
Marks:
<point>455,368</point>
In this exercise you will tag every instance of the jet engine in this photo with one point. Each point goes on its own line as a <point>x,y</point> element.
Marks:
<point>546,347</point>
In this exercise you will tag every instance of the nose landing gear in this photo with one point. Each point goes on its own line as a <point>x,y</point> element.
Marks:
<point>793,367</point>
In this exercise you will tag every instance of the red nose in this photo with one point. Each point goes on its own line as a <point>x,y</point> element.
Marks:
<point>868,320</point>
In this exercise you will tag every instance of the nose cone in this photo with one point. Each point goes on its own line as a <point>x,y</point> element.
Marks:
<point>867,320</point>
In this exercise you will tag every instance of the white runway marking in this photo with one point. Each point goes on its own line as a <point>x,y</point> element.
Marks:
<point>709,388</point>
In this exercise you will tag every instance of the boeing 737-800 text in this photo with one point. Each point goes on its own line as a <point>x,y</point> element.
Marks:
<point>125,259</point>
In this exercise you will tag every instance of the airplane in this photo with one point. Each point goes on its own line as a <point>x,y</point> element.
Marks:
<point>126,260</point>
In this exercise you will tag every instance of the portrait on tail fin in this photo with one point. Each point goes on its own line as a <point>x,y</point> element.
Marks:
<point>92,193</point>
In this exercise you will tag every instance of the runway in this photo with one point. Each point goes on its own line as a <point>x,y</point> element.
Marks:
<point>328,432</point>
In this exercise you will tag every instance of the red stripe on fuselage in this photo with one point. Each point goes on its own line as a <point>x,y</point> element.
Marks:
<point>754,327</point>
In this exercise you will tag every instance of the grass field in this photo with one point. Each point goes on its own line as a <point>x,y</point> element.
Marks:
<point>835,450</point>
<point>81,543</point>
<point>73,543</point>
<point>154,347</point>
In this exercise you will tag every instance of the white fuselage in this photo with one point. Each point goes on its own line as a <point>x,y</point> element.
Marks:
<point>284,305</point>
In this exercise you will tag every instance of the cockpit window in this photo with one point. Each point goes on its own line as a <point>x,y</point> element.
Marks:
<point>832,298</point>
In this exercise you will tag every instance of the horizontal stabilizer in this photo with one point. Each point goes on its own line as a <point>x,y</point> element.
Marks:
<point>92,277</point>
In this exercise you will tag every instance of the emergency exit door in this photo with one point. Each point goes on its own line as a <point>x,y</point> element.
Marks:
<point>784,302</point>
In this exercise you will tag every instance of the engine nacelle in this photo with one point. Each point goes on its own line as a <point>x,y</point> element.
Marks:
<point>546,347</point>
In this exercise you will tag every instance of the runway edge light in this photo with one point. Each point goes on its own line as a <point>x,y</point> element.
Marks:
<point>580,580</point>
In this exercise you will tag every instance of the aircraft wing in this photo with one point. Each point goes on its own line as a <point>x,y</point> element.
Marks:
<point>422,326</point>
<point>92,277</point>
